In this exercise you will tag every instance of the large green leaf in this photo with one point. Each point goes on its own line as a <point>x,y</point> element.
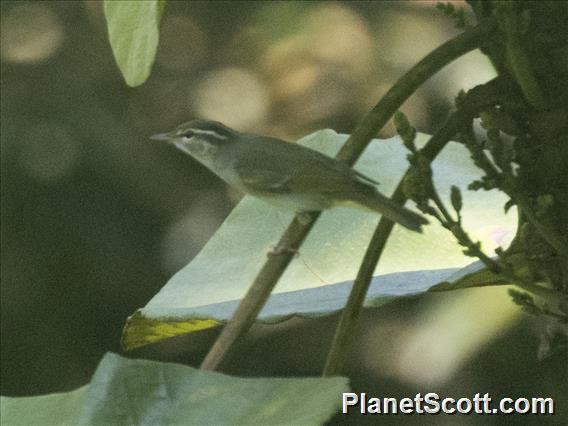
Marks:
<point>139,392</point>
<point>142,330</point>
<point>133,28</point>
<point>207,291</point>
<point>52,409</point>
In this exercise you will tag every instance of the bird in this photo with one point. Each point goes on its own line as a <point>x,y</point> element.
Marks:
<point>284,174</point>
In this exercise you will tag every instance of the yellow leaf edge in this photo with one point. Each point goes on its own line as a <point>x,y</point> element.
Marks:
<point>141,331</point>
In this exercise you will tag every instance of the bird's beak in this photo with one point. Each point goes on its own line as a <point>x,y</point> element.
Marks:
<point>162,137</point>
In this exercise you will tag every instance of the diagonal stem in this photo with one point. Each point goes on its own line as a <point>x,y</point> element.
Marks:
<point>260,290</point>
<point>336,360</point>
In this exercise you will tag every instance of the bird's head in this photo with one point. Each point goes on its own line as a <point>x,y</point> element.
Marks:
<point>199,137</point>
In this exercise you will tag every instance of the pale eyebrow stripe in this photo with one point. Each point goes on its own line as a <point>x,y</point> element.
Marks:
<point>209,132</point>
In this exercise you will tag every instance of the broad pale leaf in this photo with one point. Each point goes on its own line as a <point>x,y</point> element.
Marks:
<point>206,292</point>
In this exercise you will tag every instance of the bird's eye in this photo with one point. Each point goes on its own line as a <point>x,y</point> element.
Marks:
<point>188,134</point>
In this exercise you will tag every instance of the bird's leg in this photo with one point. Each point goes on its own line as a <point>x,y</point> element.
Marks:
<point>305,217</point>
<point>282,249</point>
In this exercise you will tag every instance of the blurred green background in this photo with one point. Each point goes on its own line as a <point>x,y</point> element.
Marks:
<point>96,217</point>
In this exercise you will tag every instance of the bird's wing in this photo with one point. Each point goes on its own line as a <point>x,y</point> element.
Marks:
<point>338,167</point>
<point>293,168</point>
<point>263,179</point>
<point>287,169</point>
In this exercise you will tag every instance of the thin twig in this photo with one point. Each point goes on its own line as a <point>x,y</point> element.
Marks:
<point>463,238</point>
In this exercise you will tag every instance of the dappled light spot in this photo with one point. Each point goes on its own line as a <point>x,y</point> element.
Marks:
<point>448,333</point>
<point>297,81</point>
<point>339,35</point>
<point>329,34</point>
<point>403,38</point>
<point>314,67</point>
<point>30,33</point>
<point>459,76</point>
<point>451,334</point>
<point>234,96</point>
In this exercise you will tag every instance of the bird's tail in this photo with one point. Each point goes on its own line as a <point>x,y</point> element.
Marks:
<point>376,201</point>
